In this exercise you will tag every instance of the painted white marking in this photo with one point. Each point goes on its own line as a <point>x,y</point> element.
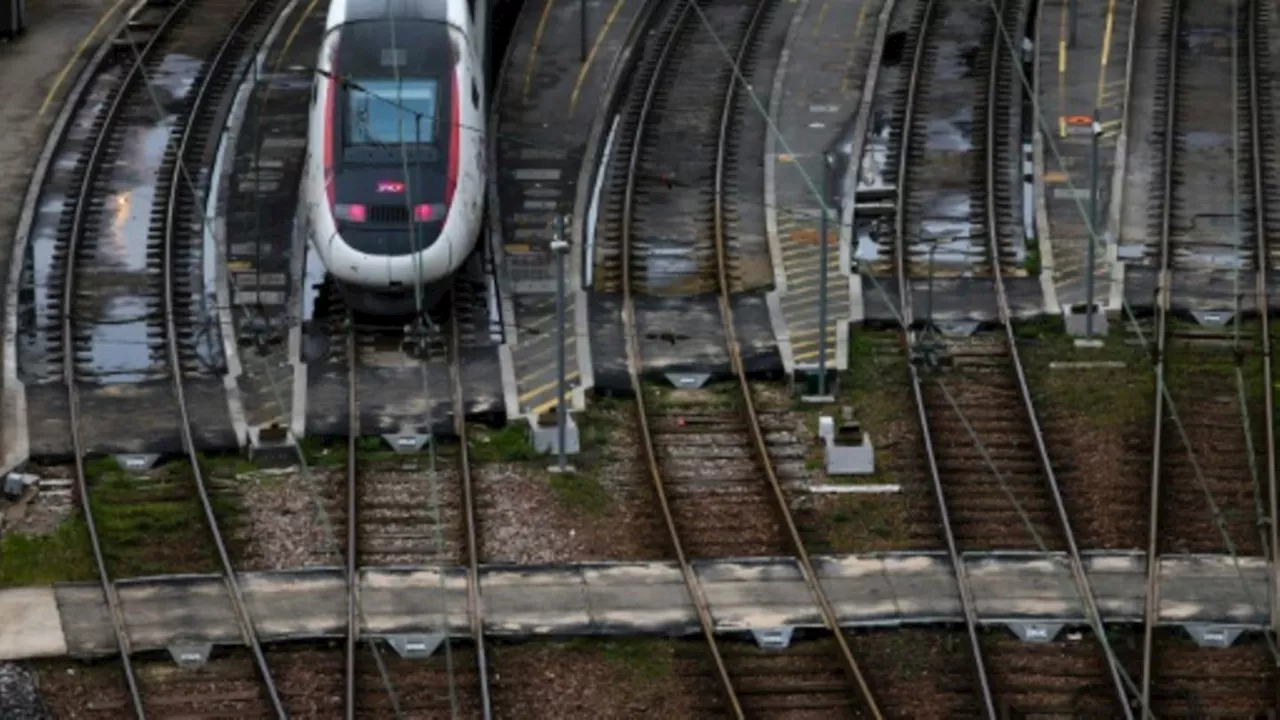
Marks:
<point>537,174</point>
<point>542,154</point>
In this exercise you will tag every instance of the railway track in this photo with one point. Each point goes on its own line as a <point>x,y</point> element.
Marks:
<point>986,452</point>
<point>394,517</point>
<point>168,288</point>
<point>1213,477</point>
<point>705,450</point>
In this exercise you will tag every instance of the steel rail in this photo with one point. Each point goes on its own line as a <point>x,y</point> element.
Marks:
<point>634,366</point>
<point>1084,586</point>
<point>223,54</point>
<point>1264,307</point>
<point>811,580</point>
<point>904,290</point>
<point>78,219</point>
<point>474,607</point>
<point>1164,291</point>
<point>353,518</point>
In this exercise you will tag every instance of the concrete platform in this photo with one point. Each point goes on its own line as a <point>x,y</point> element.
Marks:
<point>886,590</point>
<point>1074,79</point>
<point>128,418</point>
<point>261,278</point>
<point>553,109</point>
<point>953,299</point>
<point>820,104</point>
<point>680,335</point>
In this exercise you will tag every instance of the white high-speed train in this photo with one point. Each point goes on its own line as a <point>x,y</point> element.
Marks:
<point>393,189</point>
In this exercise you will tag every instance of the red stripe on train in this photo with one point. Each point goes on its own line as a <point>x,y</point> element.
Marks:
<point>454,132</point>
<point>330,95</point>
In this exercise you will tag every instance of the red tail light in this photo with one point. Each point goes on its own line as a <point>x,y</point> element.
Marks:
<point>351,213</point>
<point>429,212</point>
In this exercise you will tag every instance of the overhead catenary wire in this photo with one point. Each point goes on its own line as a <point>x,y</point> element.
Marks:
<point>1092,230</point>
<point>1088,221</point>
<point>201,201</point>
<point>433,484</point>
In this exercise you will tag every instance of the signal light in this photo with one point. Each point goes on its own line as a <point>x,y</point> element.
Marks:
<point>351,213</point>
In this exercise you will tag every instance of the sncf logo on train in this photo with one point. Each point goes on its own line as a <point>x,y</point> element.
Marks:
<point>390,186</point>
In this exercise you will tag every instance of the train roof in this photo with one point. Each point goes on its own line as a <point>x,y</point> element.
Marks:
<point>362,10</point>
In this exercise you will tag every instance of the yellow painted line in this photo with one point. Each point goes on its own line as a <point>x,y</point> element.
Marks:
<point>857,33</point>
<point>1106,49</point>
<point>543,407</point>
<point>801,357</point>
<point>543,353</point>
<point>822,16</point>
<point>284,50</point>
<point>591,56</point>
<point>546,387</point>
<point>239,265</point>
<point>1062,69</point>
<point>533,50</point>
<point>293,34</point>
<point>1053,177</point>
<point>75,56</point>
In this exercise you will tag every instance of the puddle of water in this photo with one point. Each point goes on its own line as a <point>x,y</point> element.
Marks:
<point>1131,252</point>
<point>951,134</point>
<point>670,266</point>
<point>875,154</point>
<point>1204,139</point>
<point>868,248</point>
<point>949,240</point>
<point>119,351</point>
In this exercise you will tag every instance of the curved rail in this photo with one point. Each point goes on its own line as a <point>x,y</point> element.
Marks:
<point>993,224</point>
<point>904,291</point>
<point>1084,586</point>
<point>634,364</point>
<point>469,508</point>
<point>1257,151</point>
<point>80,214</point>
<point>234,35</point>
<point>749,410</point>
<point>1164,290</point>
<point>353,563</point>
<point>1264,265</point>
<point>1151,611</point>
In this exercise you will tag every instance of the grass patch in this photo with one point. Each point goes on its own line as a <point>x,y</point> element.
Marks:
<point>866,523</point>
<point>581,491</point>
<point>508,444</point>
<point>1033,264</point>
<point>646,661</point>
<point>64,555</point>
<point>154,524</point>
<point>322,453</point>
<point>1110,398</point>
<point>226,465</point>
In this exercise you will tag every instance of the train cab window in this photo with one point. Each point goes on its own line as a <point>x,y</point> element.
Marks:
<point>382,113</point>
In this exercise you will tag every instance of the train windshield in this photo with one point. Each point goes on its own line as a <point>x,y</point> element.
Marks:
<point>387,113</point>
